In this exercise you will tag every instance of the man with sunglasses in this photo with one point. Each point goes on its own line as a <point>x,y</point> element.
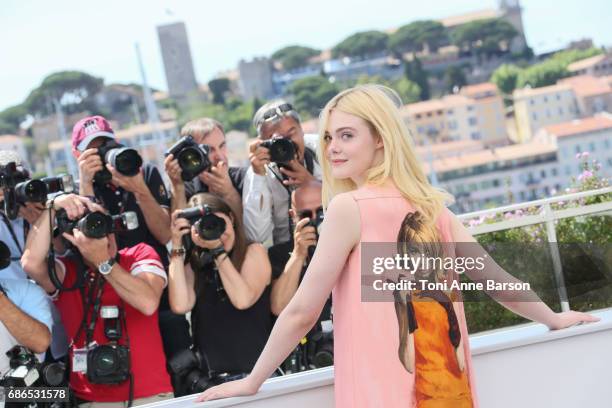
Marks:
<point>267,186</point>
<point>290,259</point>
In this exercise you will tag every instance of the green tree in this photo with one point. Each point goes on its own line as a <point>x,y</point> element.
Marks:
<point>407,90</point>
<point>219,87</point>
<point>417,35</point>
<point>485,37</point>
<point>361,44</point>
<point>543,74</point>
<point>73,89</point>
<point>11,118</point>
<point>294,56</point>
<point>311,94</point>
<point>505,78</point>
<point>454,77</point>
<point>414,72</point>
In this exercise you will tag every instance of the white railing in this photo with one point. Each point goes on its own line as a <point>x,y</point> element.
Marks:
<point>545,215</point>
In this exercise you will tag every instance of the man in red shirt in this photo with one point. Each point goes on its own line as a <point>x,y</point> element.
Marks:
<point>129,281</point>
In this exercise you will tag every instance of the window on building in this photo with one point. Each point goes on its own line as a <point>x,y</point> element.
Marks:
<point>548,113</point>
<point>545,99</point>
<point>421,130</point>
<point>578,149</point>
<point>558,97</point>
<point>532,102</point>
<point>560,110</point>
<point>472,121</point>
<point>543,173</point>
<point>568,170</point>
<point>607,143</point>
<point>452,124</point>
<point>476,136</point>
<point>428,114</point>
<point>522,195</point>
<point>470,108</point>
<point>592,146</point>
<point>534,116</point>
<point>450,112</point>
<point>417,116</point>
<point>554,172</point>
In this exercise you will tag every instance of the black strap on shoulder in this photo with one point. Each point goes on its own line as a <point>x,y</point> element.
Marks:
<point>26,227</point>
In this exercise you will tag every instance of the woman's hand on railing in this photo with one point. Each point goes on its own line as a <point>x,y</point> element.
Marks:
<point>236,388</point>
<point>571,318</point>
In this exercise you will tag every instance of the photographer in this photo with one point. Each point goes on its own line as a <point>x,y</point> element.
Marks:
<point>289,263</point>
<point>145,194</point>
<point>13,232</point>
<point>219,178</point>
<point>224,283</point>
<point>112,317</point>
<point>268,184</point>
<point>25,318</point>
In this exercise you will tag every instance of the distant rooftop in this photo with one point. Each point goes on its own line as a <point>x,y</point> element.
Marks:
<point>586,63</point>
<point>586,85</point>
<point>579,126</point>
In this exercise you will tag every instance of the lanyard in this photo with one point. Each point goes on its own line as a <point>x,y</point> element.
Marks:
<point>26,228</point>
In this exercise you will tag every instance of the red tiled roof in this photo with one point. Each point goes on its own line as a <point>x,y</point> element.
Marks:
<point>578,126</point>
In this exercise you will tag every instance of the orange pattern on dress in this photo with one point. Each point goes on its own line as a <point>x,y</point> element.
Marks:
<point>439,381</point>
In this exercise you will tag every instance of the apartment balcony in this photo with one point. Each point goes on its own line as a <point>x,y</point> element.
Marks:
<point>520,366</point>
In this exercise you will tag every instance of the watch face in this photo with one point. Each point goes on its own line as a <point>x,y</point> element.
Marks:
<point>105,268</point>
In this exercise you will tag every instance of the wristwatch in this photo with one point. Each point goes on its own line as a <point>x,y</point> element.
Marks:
<point>105,267</point>
<point>218,251</point>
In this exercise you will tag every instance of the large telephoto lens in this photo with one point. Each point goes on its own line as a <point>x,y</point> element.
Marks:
<point>31,191</point>
<point>127,161</point>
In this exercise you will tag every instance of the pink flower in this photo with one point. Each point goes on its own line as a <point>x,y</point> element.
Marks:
<point>508,215</point>
<point>474,222</point>
<point>585,155</point>
<point>585,175</point>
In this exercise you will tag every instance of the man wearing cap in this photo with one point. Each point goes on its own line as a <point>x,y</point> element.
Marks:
<point>267,187</point>
<point>144,194</point>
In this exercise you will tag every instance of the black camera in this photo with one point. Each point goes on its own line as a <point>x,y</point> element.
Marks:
<point>5,255</point>
<point>127,161</point>
<point>209,226</point>
<point>185,368</point>
<point>96,224</point>
<point>20,189</point>
<point>320,350</point>
<point>192,157</point>
<point>26,371</point>
<point>109,363</point>
<point>282,150</point>
<point>316,219</point>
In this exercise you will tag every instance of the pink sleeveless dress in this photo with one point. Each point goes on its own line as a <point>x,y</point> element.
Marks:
<point>368,371</point>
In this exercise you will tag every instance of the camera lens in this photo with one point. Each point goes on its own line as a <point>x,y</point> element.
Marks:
<point>211,227</point>
<point>54,374</point>
<point>190,160</point>
<point>127,161</point>
<point>31,191</point>
<point>105,361</point>
<point>282,150</point>
<point>95,225</point>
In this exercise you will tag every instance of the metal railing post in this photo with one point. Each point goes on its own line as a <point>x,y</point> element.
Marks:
<point>556,256</point>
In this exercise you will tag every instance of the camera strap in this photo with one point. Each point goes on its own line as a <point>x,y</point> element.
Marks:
<point>26,229</point>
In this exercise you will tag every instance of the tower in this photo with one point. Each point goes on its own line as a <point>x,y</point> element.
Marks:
<point>178,65</point>
<point>512,12</point>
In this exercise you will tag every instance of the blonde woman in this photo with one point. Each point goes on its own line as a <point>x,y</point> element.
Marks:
<point>371,180</point>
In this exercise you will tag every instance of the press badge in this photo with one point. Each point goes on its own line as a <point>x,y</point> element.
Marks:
<point>79,361</point>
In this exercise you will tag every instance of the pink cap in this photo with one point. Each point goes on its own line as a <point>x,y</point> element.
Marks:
<point>88,129</point>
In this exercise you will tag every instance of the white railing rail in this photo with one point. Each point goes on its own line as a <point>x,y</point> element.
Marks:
<point>545,215</point>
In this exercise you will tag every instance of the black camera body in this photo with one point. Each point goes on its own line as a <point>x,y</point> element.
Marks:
<point>5,255</point>
<point>127,161</point>
<point>192,157</point>
<point>209,225</point>
<point>26,371</point>
<point>108,364</point>
<point>96,224</point>
<point>320,351</point>
<point>282,150</point>
<point>185,368</point>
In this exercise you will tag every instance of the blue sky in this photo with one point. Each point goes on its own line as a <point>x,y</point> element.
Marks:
<point>41,37</point>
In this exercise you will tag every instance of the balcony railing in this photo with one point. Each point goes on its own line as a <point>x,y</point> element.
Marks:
<point>513,366</point>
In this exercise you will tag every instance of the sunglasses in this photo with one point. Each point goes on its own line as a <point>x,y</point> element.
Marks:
<point>278,112</point>
<point>318,213</point>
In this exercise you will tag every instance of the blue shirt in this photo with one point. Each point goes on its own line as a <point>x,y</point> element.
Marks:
<point>14,270</point>
<point>30,298</point>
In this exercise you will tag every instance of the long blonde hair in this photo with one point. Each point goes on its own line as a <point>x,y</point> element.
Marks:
<point>378,106</point>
